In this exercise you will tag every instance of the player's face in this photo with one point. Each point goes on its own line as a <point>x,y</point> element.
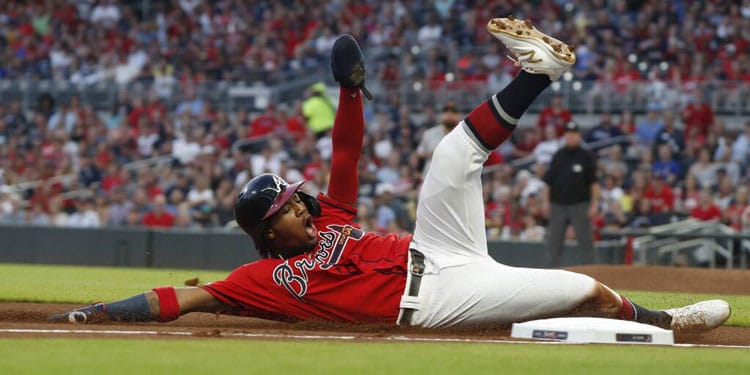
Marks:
<point>291,231</point>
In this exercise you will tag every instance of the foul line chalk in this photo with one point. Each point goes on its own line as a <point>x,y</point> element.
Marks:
<point>314,337</point>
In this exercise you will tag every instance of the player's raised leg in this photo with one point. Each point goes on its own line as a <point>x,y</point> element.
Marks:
<point>542,54</point>
<point>449,225</point>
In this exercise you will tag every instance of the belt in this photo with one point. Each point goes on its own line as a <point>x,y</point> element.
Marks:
<point>417,271</point>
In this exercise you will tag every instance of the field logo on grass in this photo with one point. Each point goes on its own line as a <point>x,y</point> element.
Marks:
<point>294,277</point>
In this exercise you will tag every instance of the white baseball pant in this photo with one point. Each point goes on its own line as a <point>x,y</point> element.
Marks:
<point>462,284</point>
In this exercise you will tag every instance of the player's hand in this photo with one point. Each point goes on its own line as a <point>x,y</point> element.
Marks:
<point>81,316</point>
<point>348,64</point>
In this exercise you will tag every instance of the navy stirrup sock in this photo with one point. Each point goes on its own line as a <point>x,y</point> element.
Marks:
<point>493,121</point>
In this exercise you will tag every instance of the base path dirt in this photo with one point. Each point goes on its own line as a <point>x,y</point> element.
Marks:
<point>20,317</point>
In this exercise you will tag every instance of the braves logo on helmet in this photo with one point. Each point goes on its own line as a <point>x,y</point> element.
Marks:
<point>279,187</point>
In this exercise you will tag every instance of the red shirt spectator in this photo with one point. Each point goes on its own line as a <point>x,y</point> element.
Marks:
<point>296,127</point>
<point>711,212</point>
<point>706,209</point>
<point>112,178</point>
<point>159,216</point>
<point>554,115</point>
<point>660,195</point>
<point>265,124</point>
<point>160,220</point>
<point>698,115</point>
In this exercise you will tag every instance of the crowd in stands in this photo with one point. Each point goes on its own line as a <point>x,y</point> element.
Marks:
<point>87,41</point>
<point>146,163</point>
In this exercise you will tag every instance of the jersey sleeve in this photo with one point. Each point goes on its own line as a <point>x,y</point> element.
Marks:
<point>244,292</point>
<point>341,212</point>
<point>348,135</point>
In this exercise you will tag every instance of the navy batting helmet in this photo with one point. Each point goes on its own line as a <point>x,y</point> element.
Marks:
<point>260,198</point>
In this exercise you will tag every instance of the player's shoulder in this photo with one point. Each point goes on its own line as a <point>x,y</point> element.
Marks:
<point>328,203</point>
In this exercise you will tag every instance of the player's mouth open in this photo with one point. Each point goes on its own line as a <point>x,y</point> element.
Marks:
<point>310,228</point>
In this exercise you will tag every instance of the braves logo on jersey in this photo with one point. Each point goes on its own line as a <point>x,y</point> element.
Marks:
<point>294,276</point>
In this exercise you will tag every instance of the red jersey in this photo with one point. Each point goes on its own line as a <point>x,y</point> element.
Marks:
<point>698,116</point>
<point>706,213</point>
<point>661,201</point>
<point>154,220</point>
<point>554,117</point>
<point>350,276</point>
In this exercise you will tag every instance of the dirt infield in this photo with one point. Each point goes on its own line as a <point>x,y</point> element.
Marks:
<point>17,318</point>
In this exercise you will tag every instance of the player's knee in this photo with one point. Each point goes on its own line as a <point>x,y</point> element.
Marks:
<point>609,301</point>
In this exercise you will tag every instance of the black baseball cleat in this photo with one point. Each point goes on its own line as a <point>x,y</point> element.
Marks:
<point>348,64</point>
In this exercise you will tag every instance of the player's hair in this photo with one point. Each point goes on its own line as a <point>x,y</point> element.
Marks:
<point>261,242</point>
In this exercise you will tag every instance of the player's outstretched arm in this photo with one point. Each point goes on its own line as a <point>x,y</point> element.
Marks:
<point>347,65</point>
<point>161,304</point>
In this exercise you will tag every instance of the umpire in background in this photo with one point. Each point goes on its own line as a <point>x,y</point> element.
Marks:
<point>571,197</point>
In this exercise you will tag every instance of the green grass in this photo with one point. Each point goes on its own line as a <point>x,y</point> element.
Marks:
<point>77,284</point>
<point>220,356</point>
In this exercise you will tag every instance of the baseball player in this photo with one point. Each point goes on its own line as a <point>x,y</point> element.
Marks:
<point>317,264</point>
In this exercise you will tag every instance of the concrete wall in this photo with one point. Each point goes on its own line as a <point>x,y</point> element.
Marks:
<point>220,250</point>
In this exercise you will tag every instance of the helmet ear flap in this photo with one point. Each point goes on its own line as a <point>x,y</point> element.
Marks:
<point>310,202</point>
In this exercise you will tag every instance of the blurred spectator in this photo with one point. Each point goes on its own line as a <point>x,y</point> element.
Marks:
<point>192,104</point>
<point>432,136</point>
<point>158,216</point>
<point>202,201</point>
<point>318,110</point>
<point>698,116</point>
<point>724,193</point>
<point>738,211</point>
<point>531,231</point>
<point>522,143</point>
<point>10,206</point>
<point>545,149</point>
<point>603,131</point>
<point>430,33</point>
<point>385,215</point>
<point>741,147</point>
<point>668,135</point>
<point>266,123</point>
<point>37,216</point>
<point>665,166</point>
<point>643,216</point>
<point>661,198</point>
<point>704,169</point>
<point>119,208</point>
<point>554,115</point>
<point>648,128</point>
<point>84,215</point>
<point>187,145</point>
<point>89,173</point>
<point>106,13</point>
<point>613,216</point>
<point>706,209</point>
<point>389,172</point>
